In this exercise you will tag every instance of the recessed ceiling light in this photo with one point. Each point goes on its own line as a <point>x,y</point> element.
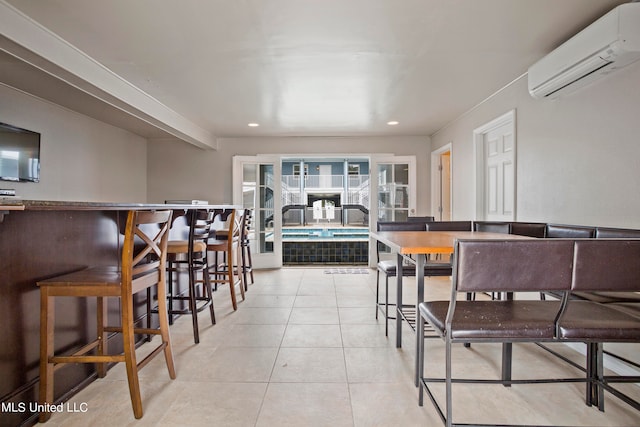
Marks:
<point>253,125</point>
<point>392,123</point>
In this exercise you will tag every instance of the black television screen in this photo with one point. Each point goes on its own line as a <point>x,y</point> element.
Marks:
<point>19,154</point>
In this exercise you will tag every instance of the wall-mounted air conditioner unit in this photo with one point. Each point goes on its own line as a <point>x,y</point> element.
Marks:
<point>610,43</point>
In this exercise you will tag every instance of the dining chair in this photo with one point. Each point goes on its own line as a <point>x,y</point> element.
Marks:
<point>390,269</point>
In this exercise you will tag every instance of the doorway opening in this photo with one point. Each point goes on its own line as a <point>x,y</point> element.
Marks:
<point>339,197</point>
<point>325,211</point>
<point>441,183</point>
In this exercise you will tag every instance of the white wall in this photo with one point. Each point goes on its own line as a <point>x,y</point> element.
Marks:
<point>578,157</point>
<point>180,171</point>
<point>81,158</point>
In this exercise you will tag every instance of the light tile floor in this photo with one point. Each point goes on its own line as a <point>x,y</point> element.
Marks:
<point>305,349</point>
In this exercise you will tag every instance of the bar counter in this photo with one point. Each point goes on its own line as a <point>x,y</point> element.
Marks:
<point>43,205</point>
<point>42,239</point>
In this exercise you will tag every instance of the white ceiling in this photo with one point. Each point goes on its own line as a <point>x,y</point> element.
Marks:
<point>315,67</point>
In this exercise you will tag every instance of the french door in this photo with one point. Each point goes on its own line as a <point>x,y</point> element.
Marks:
<point>257,185</point>
<point>393,190</point>
<point>394,184</point>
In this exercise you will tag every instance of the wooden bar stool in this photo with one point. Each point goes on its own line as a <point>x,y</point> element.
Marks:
<point>227,243</point>
<point>245,247</point>
<point>191,256</point>
<point>143,265</point>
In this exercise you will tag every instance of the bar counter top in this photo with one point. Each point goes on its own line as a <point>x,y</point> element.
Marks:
<point>40,205</point>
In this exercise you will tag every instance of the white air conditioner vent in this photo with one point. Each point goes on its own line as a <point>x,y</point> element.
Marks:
<point>610,43</point>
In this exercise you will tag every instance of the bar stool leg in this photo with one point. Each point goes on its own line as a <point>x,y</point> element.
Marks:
<point>164,330</point>
<point>170,285</point>
<point>250,262</point>
<point>243,284</point>
<point>192,304</point>
<point>208,291</point>
<point>47,320</point>
<point>377,294</point>
<point>101,309</point>
<point>244,267</point>
<point>215,266</point>
<point>386,307</point>
<point>130,355</point>
<point>232,287</point>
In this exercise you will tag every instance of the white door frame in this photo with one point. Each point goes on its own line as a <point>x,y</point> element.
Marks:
<point>479,150</point>
<point>436,185</point>
<point>373,195</point>
<point>269,259</point>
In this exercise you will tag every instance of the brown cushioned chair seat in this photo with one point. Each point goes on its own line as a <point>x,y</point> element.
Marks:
<point>592,322</point>
<point>495,319</point>
<point>182,246</point>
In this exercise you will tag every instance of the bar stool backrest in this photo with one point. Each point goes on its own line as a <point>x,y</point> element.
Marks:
<point>144,251</point>
<point>246,225</point>
<point>200,222</point>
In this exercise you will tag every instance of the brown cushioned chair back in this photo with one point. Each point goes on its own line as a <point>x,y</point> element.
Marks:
<point>607,265</point>
<point>531,229</point>
<point>616,233</point>
<point>512,265</point>
<point>449,226</point>
<point>492,227</point>
<point>400,226</point>
<point>570,231</point>
<point>397,226</point>
<point>420,219</point>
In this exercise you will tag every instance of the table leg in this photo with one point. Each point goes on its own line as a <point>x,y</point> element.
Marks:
<point>507,352</point>
<point>399,301</point>
<point>420,261</point>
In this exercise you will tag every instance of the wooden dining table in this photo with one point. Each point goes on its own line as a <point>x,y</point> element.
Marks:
<point>416,246</point>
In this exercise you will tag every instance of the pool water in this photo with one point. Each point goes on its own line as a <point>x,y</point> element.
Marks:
<point>293,234</point>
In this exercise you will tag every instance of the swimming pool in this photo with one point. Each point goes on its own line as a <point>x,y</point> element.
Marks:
<point>325,245</point>
<point>324,234</point>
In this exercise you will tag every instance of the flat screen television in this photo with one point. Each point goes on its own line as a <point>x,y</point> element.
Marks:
<point>19,154</point>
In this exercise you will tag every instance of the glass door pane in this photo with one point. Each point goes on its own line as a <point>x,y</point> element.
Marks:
<point>393,191</point>
<point>254,188</point>
<point>265,208</point>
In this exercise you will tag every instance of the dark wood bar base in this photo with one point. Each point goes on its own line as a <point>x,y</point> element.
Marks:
<point>44,240</point>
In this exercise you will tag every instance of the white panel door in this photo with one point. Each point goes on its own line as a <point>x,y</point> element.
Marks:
<point>495,152</point>
<point>499,173</point>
